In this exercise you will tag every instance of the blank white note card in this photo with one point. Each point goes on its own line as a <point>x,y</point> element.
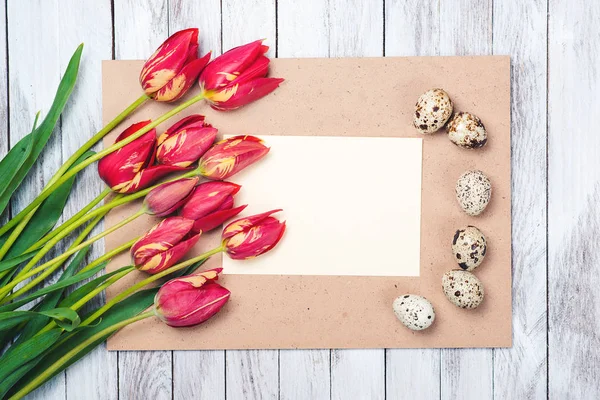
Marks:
<point>352,206</point>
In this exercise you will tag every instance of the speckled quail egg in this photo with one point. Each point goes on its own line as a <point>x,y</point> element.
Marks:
<point>469,248</point>
<point>415,312</point>
<point>462,288</point>
<point>467,131</point>
<point>473,192</point>
<point>432,110</point>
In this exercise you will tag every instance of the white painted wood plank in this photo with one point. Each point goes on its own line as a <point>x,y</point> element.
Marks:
<point>94,377</point>
<point>466,29</point>
<point>3,86</point>
<point>140,27</point>
<point>31,89</point>
<point>145,375</point>
<point>520,30</point>
<point>574,190</point>
<point>356,30</point>
<point>198,374</point>
<point>412,29</point>
<point>303,32</point>
<point>250,374</point>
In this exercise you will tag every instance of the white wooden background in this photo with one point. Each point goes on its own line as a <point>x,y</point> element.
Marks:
<point>555,50</point>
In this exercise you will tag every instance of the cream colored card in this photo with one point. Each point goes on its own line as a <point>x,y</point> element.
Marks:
<point>354,206</point>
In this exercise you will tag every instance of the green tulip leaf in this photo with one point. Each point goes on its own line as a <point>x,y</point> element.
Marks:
<point>64,317</point>
<point>19,160</point>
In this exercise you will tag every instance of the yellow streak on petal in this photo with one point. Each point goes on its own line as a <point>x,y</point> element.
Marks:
<point>223,95</point>
<point>205,305</point>
<point>194,280</point>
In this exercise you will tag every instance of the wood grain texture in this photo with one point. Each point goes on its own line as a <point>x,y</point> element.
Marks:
<point>96,377</point>
<point>574,185</point>
<point>520,29</point>
<point>466,29</point>
<point>31,89</point>
<point>140,27</point>
<point>412,29</point>
<point>250,374</point>
<point>4,143</point>
<point>198,374</point>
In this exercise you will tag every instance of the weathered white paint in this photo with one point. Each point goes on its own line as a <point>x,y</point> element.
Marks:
<point>520,30</point>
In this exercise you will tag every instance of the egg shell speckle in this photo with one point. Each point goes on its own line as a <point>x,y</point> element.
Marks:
<point>469,248</point>
<point>473,192</point>
<point>467,131</point>
<point>415,312</point>
<point>462,288</point>
<point>432,110</point>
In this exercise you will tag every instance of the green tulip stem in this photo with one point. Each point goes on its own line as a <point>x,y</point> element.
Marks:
<point>50,266</point>
<point>23,218</point>
<point>74,218</point>
<point>64,360</point>
<point>141,284</point>
<point>71,172</point>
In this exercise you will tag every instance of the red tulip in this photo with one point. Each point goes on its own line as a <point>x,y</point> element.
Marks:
<point>190,300</point>
<point>185,142</point>
<point>211,204</point>
<point>164,245</point>
<point>173,68</point>
<point>252,236</point>
<point>168,197</point>
<point>230,156</point>
<point>130,168</point>
<point>238,77</point>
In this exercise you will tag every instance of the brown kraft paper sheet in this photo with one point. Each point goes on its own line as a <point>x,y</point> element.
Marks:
<point>349,97</point>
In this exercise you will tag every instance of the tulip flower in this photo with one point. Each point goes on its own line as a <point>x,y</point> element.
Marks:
<point>173,68</point>
<point>252,236</point>
<point>168,197</point>
<point>230,156</point>
<point>130,168</point>
<point>190,300</point>
<point>164,245</point>
<point>211,204</point>
<point>238,77</point>
<point>185,142</point>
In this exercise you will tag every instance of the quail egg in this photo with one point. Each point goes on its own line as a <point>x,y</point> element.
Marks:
<point>473,192</point>
<point>467,131</point>
<point>462,288</point>
<point>469,248</point>
<point>415,312</point>
<point>432,110</point>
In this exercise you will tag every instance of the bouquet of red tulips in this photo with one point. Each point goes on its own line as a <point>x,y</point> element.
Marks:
<point>180,173</point>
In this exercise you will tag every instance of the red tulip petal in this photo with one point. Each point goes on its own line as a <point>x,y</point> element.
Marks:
<point>239,225</point>
<point>179,303</point>
<point>257,240</point>
<point>147,177</point>
<point>258,69</point>
<point>168,197</point>
<point>194,120</point>
<point>166,259</point>
<point>168,60</point>
<point>228,66</point>
<point>177,86</point>
<point>237,96</point>
<point>230,156</point>
<point>186,146</point>
<point>160,238</point>
<point>208,197</point>
<point>216,219</point>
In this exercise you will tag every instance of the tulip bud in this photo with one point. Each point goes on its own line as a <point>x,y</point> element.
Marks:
<point>252,236</point>
<point>190,300</point>
<point>164,245</point>
<point>238,77</point>
<point>185,142</point>
<point>230,156</point>
<point>211,204</point>
<point>130,168</point>
<point>168,197</point>
<point>173,68</point>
